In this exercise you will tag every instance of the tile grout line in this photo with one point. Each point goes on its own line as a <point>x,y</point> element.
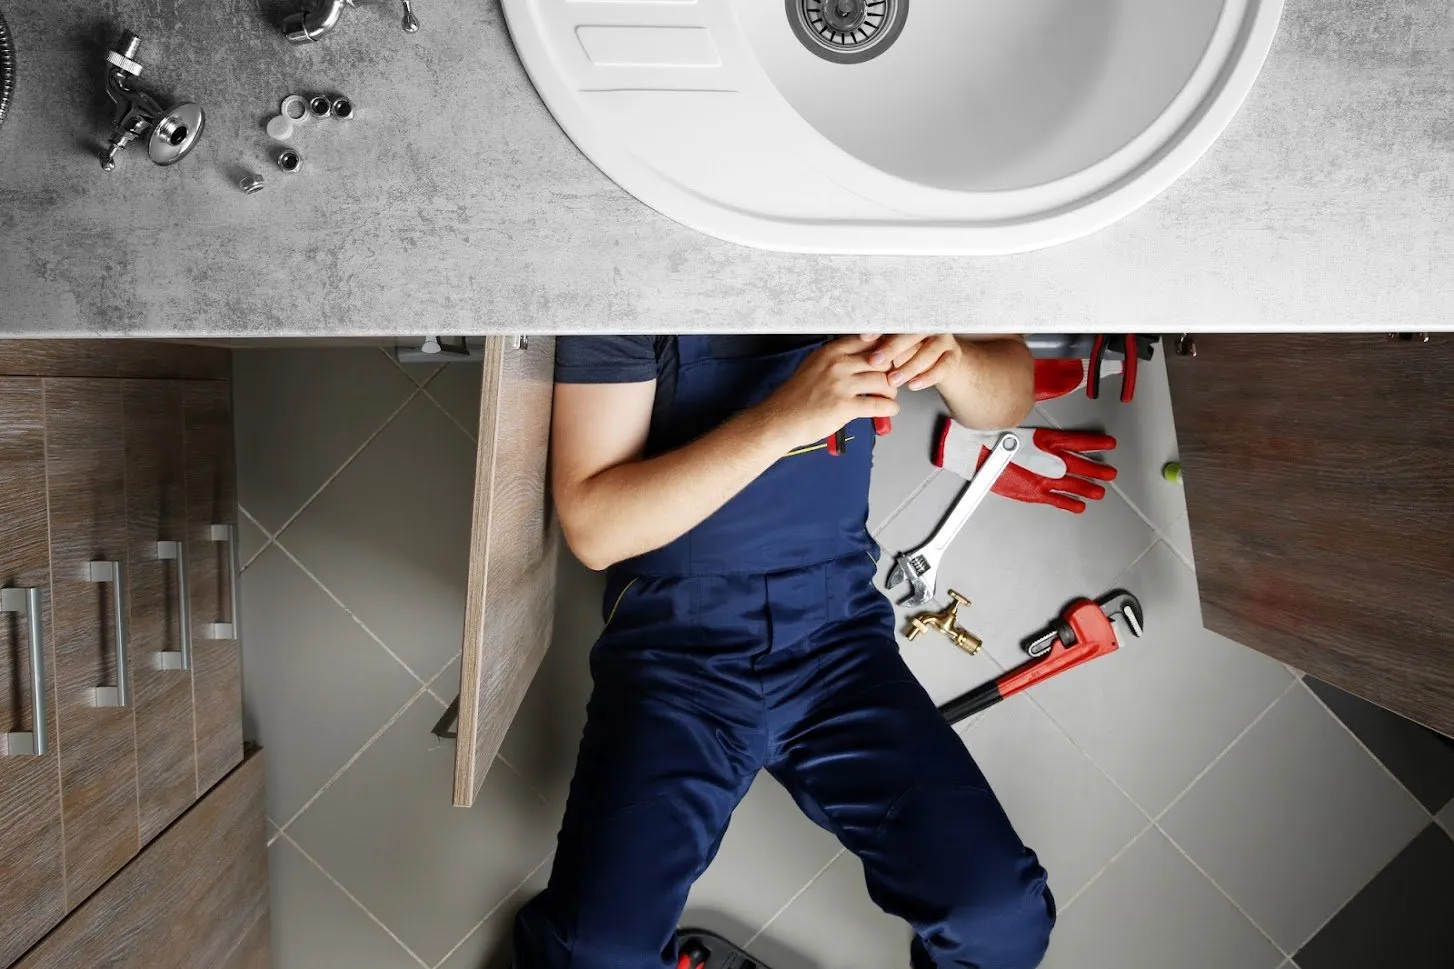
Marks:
<point>899,508</point>
<point>1225,894</point>
<point>350,762</point>
<point>494,909</point>
<point>259,526</point>
<point>523,779</point>
<point>1365,748</point>
<point>795,896</point>
<point>1150,826</point>
<point>353,898</point>
<point>444,410</point>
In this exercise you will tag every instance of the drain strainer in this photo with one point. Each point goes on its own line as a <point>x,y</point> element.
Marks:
<point>847,31</point>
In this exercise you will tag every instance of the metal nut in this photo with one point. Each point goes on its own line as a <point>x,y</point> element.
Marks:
<point>251,183</point>
<point>320,107</point>
<point>289,160</point>
<point>343,109</point>
<point>294,107</point>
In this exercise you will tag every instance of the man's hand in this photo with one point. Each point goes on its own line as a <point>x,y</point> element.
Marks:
<point>987,382</point>
<point>917,359</point>
<point>834,385</point>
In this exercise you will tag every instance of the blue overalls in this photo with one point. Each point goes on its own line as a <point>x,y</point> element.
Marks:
<point>758,640</point>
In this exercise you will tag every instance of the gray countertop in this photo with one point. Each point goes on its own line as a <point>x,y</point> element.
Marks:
<point>454,204</point>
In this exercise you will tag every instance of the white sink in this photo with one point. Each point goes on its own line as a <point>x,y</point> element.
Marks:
<point>956,127</point>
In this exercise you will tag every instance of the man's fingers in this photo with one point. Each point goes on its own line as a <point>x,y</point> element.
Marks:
<point>874,406</point>
<point>874,382</point>
<point>847,345</point>
<point>894,349</point>
<point>922,361</point>
<point>932,376</point>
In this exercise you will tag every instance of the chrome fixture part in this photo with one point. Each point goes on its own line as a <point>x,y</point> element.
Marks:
<point>7,68</point>
<point>318,17</point>
<point>343,109</point>
<point>289,160</point>
<point>294,107</point>
<point>847,31</point>
<point>252,183</point>
<point>171,135</point>
<point>320,107</point>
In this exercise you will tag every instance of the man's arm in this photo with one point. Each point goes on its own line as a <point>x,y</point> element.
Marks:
<point>614,505</point>
<point>987,382</point>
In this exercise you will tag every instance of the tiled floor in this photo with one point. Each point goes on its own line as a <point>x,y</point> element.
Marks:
<point>1195,803</point>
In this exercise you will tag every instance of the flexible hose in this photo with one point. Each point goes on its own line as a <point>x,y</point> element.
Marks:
<point>7,68</point>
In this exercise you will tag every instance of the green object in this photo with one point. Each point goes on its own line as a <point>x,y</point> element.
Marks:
<point>1171,471</point>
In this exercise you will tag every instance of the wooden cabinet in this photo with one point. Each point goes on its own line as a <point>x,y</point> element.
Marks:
<point>196,898</point>
<point>117,497</point>
<point>1317,471</point>
<point>509,605</point>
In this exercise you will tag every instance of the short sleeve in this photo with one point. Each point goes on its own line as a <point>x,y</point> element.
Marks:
<point>605,359</point>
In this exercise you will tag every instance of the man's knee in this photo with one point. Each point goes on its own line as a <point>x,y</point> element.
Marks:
<point>1007,928</point>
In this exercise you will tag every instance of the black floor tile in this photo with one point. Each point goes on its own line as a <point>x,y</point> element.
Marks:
<point>1422,759</point>
<point>1401,919</point>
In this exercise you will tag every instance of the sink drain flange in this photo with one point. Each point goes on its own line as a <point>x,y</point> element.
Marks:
<point>847,31</point>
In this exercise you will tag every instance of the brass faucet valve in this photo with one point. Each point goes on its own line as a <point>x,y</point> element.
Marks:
<point>947,623</point>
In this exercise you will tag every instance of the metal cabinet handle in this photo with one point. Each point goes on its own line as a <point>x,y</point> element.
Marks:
<point>178,659</point>
<point>120,694</point>
<point>37,741</point>
<point>231,628</point>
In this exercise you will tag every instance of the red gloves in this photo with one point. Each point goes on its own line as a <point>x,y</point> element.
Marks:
<point>1058,376</point>
<point>1050,467</point>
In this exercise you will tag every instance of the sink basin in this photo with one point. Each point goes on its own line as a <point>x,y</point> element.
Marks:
<point>894,126</point>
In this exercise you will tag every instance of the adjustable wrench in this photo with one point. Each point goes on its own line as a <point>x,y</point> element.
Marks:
<point>920,567</point>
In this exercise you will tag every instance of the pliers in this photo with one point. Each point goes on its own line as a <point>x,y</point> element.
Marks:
<point>1135,348</point>
<point>838,440</point>
<point>1078,635</point>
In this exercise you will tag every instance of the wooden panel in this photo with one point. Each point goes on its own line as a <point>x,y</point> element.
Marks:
<point>1317,474</point>
<point>156,511</point>
<point>187,902</point>
<point>113,358</point>
<point>212,499</point>
<point>509,605</point>
<point>84,473</point>
<point>32,879</point>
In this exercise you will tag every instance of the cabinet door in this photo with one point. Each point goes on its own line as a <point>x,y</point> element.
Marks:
<point>32,881</point>
<point>191,900</point>
<point>85,462</point>
<point>156,518</point>
<point>509,604</point>
<point>213,565</point>
<point>1317,472</point>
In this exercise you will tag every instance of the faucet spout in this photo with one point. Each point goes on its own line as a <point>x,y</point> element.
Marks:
<point>317,18</point>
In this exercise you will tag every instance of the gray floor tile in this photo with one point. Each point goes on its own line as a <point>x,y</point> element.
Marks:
<point>1446,817</point>
<point>1420,758</point>
<point>392,542</point>
<point>1145,437</point>
<point>546,731</point>
<point>251,539</point>
<point>1178,535</point>
<point>771,850</point>
<point>1018,564</point>
<point>315,688</point>
<point>299,414</point>
<point>1060,803</point>
<point>1294,819</point>
<point>456,388</point>
<point>1153,910</point>
<point>488,947</point>
<point>428,871</point>
<point>1401,918</point>
<point>834,925</point>
<point>901,460</point>
<point>1156,712</point>
<point>315,925</point>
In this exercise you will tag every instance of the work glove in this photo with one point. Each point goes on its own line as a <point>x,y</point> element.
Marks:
<point>1058,376</point>
<point>1049,468</point>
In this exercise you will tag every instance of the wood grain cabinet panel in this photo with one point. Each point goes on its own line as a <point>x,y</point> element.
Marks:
<point>216,654</point>
<point>85,477</point>
<point>1317,471</point>
<point>191,900</point>
<point>32,876</point>
<point>156,513</point>
<point>509,604</point>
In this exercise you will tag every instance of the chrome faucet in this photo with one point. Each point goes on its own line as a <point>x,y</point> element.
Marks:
<point>170,134</point>
<point>318,17</point>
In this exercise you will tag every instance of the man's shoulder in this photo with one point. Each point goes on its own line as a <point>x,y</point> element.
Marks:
<point>609,359</point>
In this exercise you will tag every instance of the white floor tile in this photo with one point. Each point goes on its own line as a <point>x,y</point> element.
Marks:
<point>1145,435</point>
<point>393,543</point>
<point>770,851</point>
<point>1294,819</point>
<point>1156,712</point>
<point>1152,909</point>
<point>456,388</point>
<point>902,460</point>
<point>488,947</point>
<point>1060,803</point>
<point>835,925</point>
<point>1178,535</point>
<point>250,539</point>
<point>315,925</point>
<point>315,688</point>
<point>427,870</point>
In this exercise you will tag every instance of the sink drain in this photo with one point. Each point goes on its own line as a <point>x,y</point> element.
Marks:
<point>847,31</point>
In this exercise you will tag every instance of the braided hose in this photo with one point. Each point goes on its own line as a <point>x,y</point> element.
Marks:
<point>7,68</point>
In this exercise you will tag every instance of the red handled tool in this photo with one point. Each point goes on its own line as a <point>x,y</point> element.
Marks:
<point>1082,632</point>
<point>1135,348</point>
<point>838,440</point>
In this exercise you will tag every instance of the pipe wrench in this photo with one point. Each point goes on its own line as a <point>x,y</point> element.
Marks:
<point>920,567</point>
